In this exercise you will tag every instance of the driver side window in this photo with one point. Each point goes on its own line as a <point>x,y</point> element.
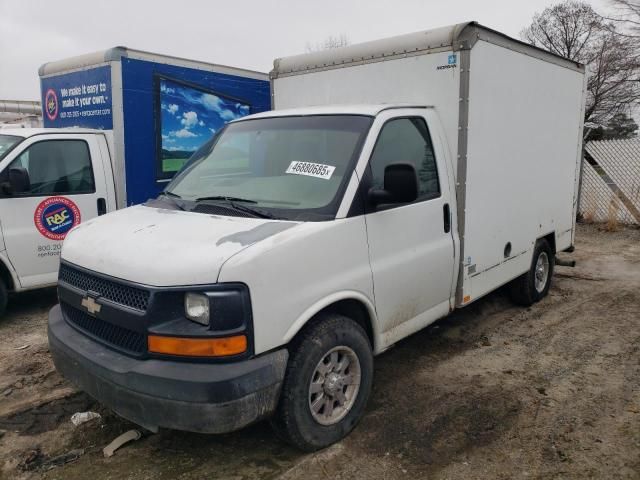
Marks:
<point>407,140</point>
<point>54,167</point>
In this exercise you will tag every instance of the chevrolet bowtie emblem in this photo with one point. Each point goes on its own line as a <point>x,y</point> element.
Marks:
<point>91,305</point>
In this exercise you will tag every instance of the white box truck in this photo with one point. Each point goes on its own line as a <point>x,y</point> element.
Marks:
<point>119,124</point>
<point>394,182</point>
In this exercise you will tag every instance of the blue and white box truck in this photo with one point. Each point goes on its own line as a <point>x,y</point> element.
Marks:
<point>118,125</point>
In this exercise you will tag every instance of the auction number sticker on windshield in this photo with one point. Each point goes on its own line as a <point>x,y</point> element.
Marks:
<point>311,169</point>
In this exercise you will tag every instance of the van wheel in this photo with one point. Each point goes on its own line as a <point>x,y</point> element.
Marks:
<point>326,385</point>
<point>534,285</point>
<point>4,298</point>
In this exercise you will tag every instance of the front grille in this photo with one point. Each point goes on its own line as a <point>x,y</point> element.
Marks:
<point>221,210</point>
<point>116,292</point>
<point>109,333</point>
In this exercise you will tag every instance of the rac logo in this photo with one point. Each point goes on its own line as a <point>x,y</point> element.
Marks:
<point>91,305</point>
<point>51,104</point>
<point>57,217</point>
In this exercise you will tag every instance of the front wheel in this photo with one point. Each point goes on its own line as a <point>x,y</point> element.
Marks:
<point>533,286</point>
<point>327,384</point>
<point>4,298</point>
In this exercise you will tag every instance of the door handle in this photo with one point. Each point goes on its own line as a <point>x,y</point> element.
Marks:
<point>102,206</point>
<point>447,217</point>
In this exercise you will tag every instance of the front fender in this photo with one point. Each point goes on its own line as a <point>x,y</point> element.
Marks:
<point>294,274</point>
<point>329,300</point>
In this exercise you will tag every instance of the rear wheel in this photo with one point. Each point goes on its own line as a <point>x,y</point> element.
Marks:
<point>534,284</point>
<point>327,384</point>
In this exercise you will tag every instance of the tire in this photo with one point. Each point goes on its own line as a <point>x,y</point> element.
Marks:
<point>534,285</point>
<point>4,298</point>
<point>309,378</point>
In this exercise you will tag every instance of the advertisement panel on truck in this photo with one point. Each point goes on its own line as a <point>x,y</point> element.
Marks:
<point>189,115</point>
<point>81,98</point>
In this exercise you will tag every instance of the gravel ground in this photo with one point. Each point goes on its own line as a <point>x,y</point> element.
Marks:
<point>493,391</point>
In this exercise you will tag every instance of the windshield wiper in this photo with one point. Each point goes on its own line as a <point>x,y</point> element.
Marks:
<point>231,202</point>
<point>173,197</point>
<point>228,199</point>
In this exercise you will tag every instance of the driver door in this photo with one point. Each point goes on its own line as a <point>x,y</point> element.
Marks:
<point>411,247</point>
<point>53,183</point>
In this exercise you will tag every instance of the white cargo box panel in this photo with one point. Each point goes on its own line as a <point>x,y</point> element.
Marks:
<point>512,115</point>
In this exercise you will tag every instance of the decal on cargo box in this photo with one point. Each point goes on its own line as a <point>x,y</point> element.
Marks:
<point>55,216</point>
<point>78,99</point>
<point>317,170</point>
<point>452,62</point>
<point>51,104</point>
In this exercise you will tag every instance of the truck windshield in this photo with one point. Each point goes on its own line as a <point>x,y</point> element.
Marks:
<point>292,167</point>
<point>7,142</point>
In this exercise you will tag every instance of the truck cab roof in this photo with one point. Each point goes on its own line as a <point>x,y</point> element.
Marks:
<point>30,132</point>
<point>370,110</point>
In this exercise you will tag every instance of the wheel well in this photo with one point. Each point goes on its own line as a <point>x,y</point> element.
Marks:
<point>351,308</point>
<point>6,277</point>
<point>551,240</point>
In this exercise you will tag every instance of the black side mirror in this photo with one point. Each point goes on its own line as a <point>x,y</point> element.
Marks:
<point>400,185</point>
<point>19,181</point>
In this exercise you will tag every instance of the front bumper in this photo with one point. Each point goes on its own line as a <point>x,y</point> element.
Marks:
<point>196,397</point>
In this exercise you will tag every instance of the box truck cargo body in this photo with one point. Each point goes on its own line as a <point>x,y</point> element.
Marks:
<point>127,121</point>
<point>394,182</point>
<point>512,120</point>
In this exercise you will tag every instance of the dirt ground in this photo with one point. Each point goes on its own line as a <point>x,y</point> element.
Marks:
<point>494,391</point>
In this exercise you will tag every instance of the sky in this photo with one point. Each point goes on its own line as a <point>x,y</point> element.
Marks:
<point>240,33</point>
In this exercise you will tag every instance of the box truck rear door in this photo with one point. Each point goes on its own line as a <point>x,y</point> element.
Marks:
<point>51,184</point>
<point>410,244</point>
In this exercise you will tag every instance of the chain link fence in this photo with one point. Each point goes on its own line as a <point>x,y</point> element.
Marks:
<point>611,182</point>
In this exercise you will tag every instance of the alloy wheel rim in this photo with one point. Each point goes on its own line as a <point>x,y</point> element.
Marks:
<point>334,385</point>
<point>541,272</point>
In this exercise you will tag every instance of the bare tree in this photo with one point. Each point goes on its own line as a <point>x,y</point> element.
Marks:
<point>613,85</point>
<point>575,31</point>
<point>626,15</point>
<point>330,42</point>
<point>566,29</point>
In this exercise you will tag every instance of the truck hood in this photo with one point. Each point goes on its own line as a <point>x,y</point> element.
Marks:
<point>160,247</point>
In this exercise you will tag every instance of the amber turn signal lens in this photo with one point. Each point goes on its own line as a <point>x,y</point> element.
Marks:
<point>198,347</point>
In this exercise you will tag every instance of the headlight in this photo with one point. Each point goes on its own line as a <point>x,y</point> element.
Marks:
<point>196,307</point>
<point>217,322</point>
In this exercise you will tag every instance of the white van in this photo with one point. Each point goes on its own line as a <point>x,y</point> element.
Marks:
<point>50,180</point>
<point>299,243</point>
